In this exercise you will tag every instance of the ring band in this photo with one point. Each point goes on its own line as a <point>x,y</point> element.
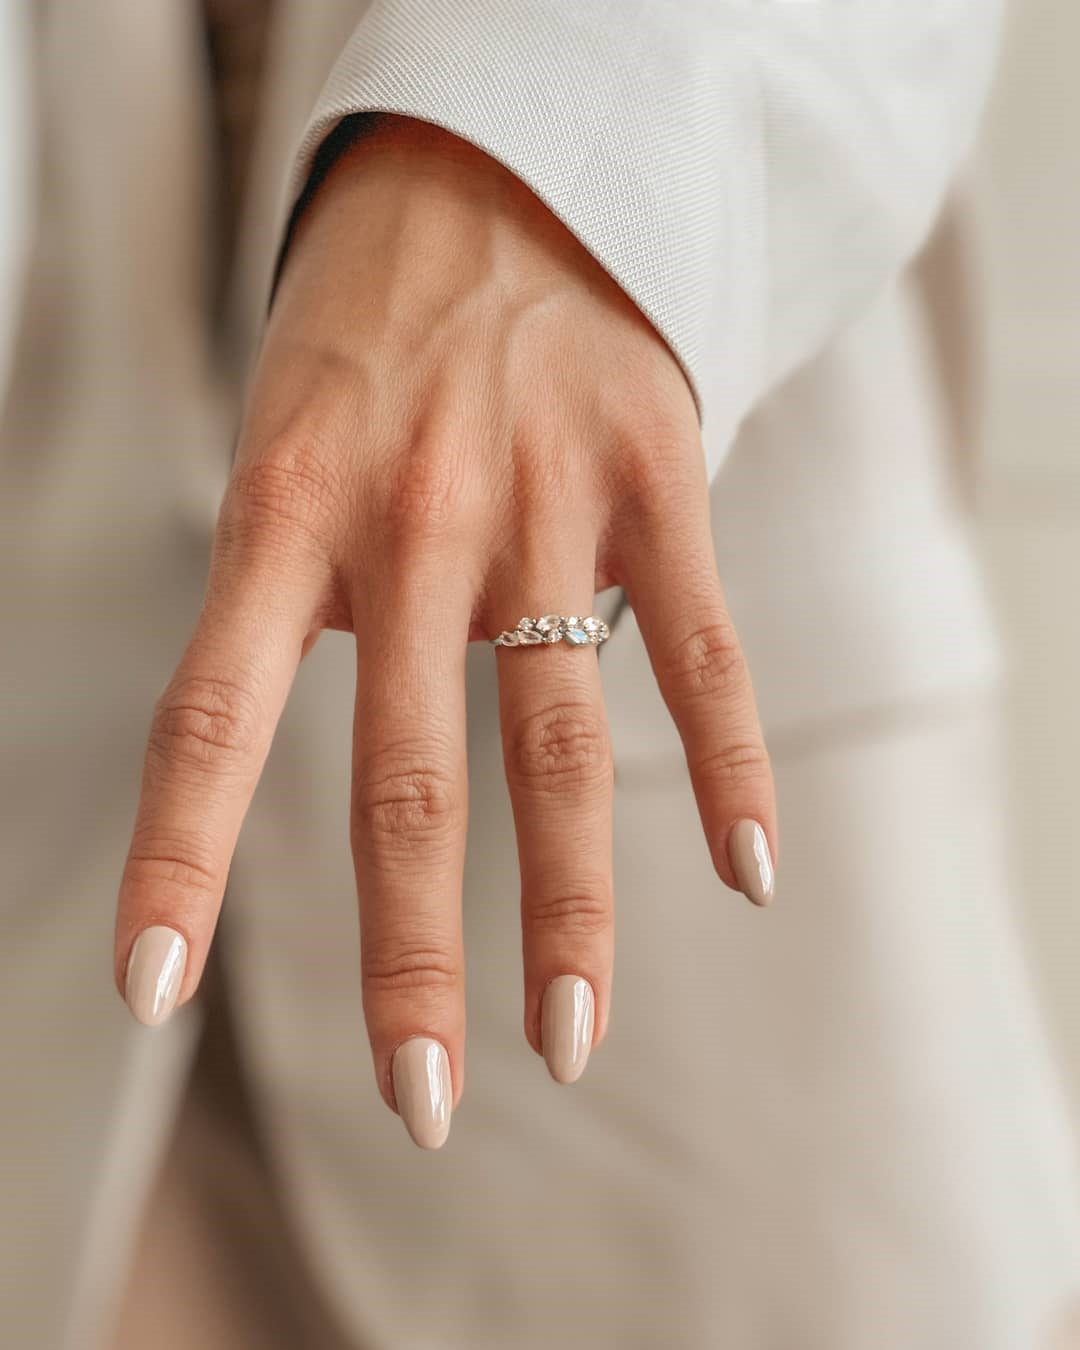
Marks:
<point>572,629</point>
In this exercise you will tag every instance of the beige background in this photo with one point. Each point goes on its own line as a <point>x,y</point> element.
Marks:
<point>1027,190</point>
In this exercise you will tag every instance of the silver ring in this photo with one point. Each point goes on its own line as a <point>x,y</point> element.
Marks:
<point>572,629</point>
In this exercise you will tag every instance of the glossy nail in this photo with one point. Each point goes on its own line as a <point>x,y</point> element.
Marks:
<point>566,1026</point>
<point>155,972</point>
<point>422,1088</point>
<point>751,861</point>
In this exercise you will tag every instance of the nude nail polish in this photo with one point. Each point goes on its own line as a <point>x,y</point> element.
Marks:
<point>748,850</point>
<point>422,1087</point>
<point>155,971</point>
<point>566,1026</point>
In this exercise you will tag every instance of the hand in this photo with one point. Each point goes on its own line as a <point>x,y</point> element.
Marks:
<point>457,419</point>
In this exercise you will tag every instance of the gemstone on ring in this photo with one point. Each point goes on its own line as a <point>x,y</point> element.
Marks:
<point>575,630</point>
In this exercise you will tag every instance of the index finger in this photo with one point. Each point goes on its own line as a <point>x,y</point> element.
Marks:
<point>209,738</point>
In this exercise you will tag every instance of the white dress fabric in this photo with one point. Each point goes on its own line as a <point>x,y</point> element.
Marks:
<point>829,1126</point>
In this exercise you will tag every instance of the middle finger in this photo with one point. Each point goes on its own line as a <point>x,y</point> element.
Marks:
<point>409,809</point>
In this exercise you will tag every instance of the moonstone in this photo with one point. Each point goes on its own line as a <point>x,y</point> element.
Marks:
<point>577,637</point>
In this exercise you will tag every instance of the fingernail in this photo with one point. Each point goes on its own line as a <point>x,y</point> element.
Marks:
<point>422,1087</point>
<point>566,1026</point>
<point>748,850</point>
<point>155,972</point>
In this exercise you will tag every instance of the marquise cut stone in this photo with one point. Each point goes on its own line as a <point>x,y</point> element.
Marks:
<point>549,622</point>
<point>529,637</point>
<point>577,637</point>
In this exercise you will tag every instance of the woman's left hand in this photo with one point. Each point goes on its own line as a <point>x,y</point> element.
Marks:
<point>457,419</point>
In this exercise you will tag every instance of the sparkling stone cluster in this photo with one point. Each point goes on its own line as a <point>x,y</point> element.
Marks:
<point>574,629</point>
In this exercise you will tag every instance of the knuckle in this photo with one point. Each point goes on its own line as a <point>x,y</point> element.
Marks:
<point>427,496</point>
<point>542,468</point>
<point>400,965</point>
<point>566,744</point>
<point>177,863</point>
<point>290,491</point>
<point>736,765</point>
<point>405,805</point>
<point>708,664</point>
<point>203,720</point>
<point>660,466</point>
<point>582,912</point>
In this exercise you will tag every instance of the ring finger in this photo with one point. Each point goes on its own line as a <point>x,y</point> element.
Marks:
<point>557,754</point>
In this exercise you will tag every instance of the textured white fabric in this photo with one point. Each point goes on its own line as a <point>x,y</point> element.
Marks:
<point>748,173</point>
